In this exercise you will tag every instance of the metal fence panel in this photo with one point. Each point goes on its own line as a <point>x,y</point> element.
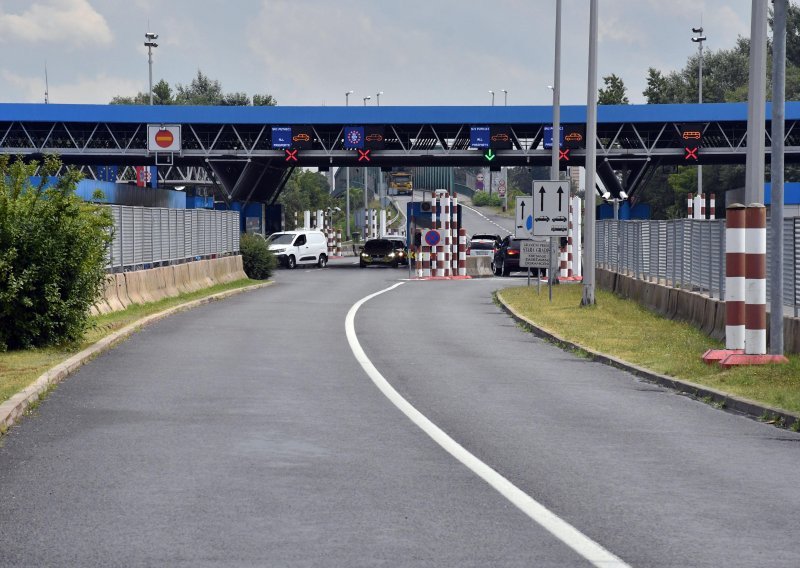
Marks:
<point>148,235</point>
<point>686,253</point>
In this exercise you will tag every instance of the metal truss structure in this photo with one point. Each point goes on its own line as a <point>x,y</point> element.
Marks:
<point>229,149</point>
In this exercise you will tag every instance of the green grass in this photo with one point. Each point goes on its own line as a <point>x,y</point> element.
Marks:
<point>625,330</point>
<point>18,369</point>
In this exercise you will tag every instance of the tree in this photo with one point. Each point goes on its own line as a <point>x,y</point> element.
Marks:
<point>202,91</point>
<point>657,85</point>
<point>264,100</point>
<point>162,94</point>
<point>613,93</point>
<point>305,191</point>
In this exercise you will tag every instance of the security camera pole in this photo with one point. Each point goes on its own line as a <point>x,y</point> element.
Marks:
<point>150,44</point>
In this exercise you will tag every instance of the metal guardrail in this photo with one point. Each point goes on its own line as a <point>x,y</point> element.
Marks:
<point>157,235</point>
<point>687,253</point>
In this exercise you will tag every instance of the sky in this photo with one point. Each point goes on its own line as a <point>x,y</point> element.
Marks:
<point>310,52</point>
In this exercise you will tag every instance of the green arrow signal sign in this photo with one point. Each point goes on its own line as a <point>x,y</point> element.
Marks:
<point>489,155</point>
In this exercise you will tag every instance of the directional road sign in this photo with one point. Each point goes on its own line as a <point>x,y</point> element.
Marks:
<point>550,208</point>
<point>534,253</point>
<point>523,218</point>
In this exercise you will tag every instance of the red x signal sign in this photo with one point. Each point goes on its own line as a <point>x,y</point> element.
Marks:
<point>563,155</point>
<point>363,155</point>
<point>691,153</point>
<point>291,155</point>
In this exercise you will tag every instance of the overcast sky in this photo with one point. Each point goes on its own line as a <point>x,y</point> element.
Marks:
<point>309,52</point>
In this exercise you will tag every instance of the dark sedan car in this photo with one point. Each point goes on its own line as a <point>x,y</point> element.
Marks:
<point>506,257</point>
<point>400,249</point>
<point>379,252</point>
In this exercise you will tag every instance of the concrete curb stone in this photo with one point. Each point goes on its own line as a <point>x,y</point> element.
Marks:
<point>14,408</point>
<point>726,401</point>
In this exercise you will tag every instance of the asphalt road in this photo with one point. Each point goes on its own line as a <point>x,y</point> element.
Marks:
<point>474,219</point>
<point>246,433</point>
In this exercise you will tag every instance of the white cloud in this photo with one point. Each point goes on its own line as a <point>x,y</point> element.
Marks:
<point>99,89</point>
<point>75,22</point>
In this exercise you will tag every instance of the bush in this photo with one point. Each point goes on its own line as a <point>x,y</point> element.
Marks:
<point>259,262</point>
<point>482,199</point>
<point>52,255</point>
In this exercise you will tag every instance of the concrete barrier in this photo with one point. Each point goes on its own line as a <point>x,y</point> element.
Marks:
<point>707,314</point>
<point>479,266</point>
<point>169,281</point>
<point>134,285</point>
<point>238,263</point>
<point>110,293</point>
<point>122,290</point>
<point>183,278</point>
<point>142,286</point>
<point>152,285</point>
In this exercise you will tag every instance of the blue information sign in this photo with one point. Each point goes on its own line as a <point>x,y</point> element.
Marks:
<point>479,136</point>
<point>354,137</point>
<point>548,137</point>
<point>281,137</point>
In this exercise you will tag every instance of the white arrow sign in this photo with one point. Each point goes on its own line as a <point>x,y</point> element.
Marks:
<point>550,208</point>
<point>523,218</point>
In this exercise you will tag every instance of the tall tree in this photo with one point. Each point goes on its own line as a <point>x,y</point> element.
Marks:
<point>201,91</point>
<point>613,93</point>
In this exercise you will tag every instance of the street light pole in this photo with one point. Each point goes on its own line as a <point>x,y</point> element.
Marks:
<point>756,105</point>
<point>505,97</point>
<point>555,147</point>
<point>378,97</point>
<point>492,93</point>
<point>366,99</point>
<point>699,41</point>
<point>150,44</point>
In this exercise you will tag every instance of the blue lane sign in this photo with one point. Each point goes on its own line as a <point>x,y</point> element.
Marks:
<point>354,137</point>
<point>479,136</point>
<point>281,137</point>
<point>548,137</point>
<point>432,238</point>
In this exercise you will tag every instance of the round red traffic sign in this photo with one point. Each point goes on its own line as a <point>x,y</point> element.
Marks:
<point>432,238</point>
<point>164,138</point>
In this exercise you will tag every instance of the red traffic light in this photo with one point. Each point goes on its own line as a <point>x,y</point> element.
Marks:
<point>363,155</point>
<point>291,155</point>
<point>563,155</point>
<point>690,153</point>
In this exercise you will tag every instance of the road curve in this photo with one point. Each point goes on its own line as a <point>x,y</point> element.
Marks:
<point>245,433</point>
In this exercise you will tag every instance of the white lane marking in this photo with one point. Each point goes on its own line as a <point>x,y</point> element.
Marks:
<point>562,530</point>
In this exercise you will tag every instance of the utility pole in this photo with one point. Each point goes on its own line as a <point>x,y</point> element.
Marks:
<point>591,159</point>
<point>776,176</point>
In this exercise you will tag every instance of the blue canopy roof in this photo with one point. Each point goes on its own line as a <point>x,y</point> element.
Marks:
<point>377,115</point>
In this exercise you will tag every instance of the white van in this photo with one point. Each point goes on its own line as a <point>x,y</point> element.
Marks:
<point>299,247</point>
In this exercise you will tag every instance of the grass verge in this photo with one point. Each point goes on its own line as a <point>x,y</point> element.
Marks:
<point>18,369</point>
<point>625,330</point>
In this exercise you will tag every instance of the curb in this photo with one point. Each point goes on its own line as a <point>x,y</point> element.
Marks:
<point>14,408</point>
<point>722,400</point>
